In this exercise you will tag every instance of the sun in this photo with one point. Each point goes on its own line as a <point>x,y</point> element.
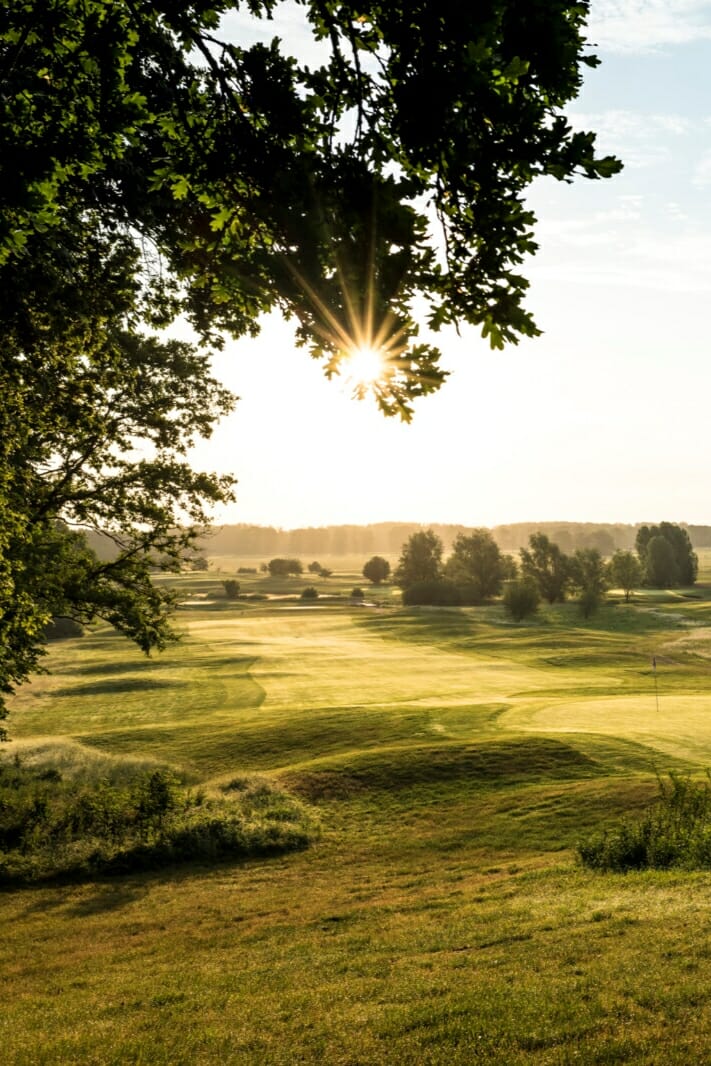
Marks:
<point>364,366</point>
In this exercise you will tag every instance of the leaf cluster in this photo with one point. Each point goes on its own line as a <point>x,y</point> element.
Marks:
<point>256,181</point>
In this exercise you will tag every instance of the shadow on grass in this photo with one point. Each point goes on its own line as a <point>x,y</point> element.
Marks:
<point>489,764</point>
<point>555,628</point>
<point>118,685</point>
<point>115,889</point>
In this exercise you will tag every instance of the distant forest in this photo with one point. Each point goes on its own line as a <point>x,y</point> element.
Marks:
<point>388,537</point>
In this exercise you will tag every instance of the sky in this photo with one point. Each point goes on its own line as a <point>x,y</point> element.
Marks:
<point>605,417</point>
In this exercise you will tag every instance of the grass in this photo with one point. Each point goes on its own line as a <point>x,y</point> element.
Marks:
<point>454,761</point>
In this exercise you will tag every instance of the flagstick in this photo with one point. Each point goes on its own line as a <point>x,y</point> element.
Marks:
<point>656,686</point>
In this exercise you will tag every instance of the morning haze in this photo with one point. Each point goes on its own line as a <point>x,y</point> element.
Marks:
<point>365,718</point>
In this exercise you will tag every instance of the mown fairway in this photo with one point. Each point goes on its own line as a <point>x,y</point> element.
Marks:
<point>455,759</point>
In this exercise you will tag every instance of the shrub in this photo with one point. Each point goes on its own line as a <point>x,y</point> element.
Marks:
<point>440,593</point>
<point>675,832</point>
<point>357,594</point>
<point>231,588</point>
<point>309,593</point>
<point>377,570</point>
<point>247,570</point>
<point>590,600</point>
<point>284,567</point>
<point>521,599</point>
<point>51,826</point>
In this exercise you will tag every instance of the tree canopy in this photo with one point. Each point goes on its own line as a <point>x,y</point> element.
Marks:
<point>420,559</point>
<point>477,563</point>
<point>625,572</point>
<point>587,573</point>
<point>151,167</point>
<point>376,570</point>
<point>255,181</point>
<point>545,565</point>
<point>666,554</point>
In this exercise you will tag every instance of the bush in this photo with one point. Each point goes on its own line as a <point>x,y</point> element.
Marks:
<point>357,594</point>
<point>309,593</point>
<point>231,588</point>
<point>590,600</point>
<point>440,593</point>
<point>676,832</point>
<point>284,567</point>
<point>52,827</point>
<point>377,570</point>
<point>521,600</point>
<point>247,570</point>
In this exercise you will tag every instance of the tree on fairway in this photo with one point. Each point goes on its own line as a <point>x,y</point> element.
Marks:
<point>521,599</point>
<point>660,565</point>
<point>587,574</point>
<point>477,563</point>
<point>152,168</point>
<point>376,570</point>
<point>285,567</point>
<point>546,566</point>
<point>624,571</point>
<point>231,588</point>
<point>420,559</point>
<point>660,571</point>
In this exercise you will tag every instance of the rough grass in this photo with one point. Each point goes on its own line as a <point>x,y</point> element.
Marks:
<point>456,760</point>
<point>58,825</point>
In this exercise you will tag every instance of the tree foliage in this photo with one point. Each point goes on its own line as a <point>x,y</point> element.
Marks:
<point>660,566</point>
<point>545,565</point>
<point>285,567</point>
<point>588,574</point>
<point>439,592</point>
<point>666,566</point>
<point>624,571</point>
<point>477,563</point>
<point>420,559</point>
<point>376,570</point>
<point>96,418</point>
<point>261,182</point>
<point>521,599</point>
<point>151,168</point>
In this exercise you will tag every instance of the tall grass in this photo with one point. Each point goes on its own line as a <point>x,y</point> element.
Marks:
<point>52,825</point>
<point>674,833</point>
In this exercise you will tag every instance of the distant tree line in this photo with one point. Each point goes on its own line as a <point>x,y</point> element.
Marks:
<point>386,538</point>
<point>477,571</point>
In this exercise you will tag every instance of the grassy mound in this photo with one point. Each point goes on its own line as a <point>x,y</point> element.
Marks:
<point>52,825</point>
<point>674,833</point>
<point>488,763</point>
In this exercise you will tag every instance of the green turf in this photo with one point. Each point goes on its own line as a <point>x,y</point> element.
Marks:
<point>454,760</point>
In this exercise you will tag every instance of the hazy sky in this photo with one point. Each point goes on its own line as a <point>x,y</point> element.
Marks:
<point>606,416</point>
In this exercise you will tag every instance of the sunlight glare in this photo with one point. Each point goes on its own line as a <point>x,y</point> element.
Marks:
<point>365,366</point>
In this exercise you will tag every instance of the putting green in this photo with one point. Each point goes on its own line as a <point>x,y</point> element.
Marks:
<point>681,726</point>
